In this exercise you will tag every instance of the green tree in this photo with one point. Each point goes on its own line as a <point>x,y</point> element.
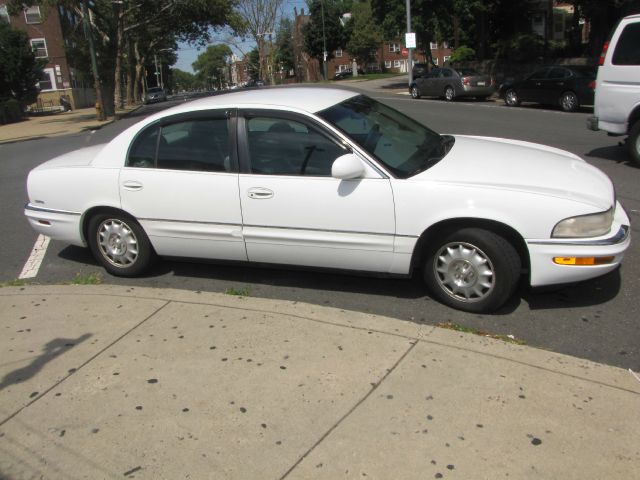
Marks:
<point>284,46</point>
<point>329,33</point>
<point>19,68</point>
<point>212,62</point>
<point>365,36</point>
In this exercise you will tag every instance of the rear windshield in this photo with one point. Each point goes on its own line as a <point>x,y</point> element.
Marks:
<point>584,72</point>
<point>466,72</point>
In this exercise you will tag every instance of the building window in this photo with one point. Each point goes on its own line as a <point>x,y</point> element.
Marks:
<point>394,47</point>
<point>46,81</point>
<point>433,45</point>
<point>445,44</point>
<point>4,14</point>
<point>39,46</point>
<point>396,63</point>
<point>342,68</point>
<point>435,60</point>
<point>32,15</point>
<point>387,64</point>
<point>339,53</point>
<point>446,58</point>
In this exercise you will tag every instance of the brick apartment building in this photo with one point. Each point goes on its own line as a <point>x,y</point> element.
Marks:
<point>389,57</point>
<point>44,26</point>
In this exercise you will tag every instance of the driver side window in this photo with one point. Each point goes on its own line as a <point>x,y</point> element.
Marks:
<point>279,146</point>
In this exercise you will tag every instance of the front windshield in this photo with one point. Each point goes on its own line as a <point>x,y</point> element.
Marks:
<point>401,144</point>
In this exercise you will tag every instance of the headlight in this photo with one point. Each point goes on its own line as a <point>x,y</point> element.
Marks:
<point>593,225</point>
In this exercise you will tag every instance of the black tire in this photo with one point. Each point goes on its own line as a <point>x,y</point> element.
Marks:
<point>633,142</point>
<point>569,102</point>
<point>415,93</point>
<point>126,252</point>
<point>449,93</point>
<point>511,98</point>
<point>473,270</point>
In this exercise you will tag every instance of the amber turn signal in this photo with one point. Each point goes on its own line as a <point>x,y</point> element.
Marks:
<point>582,260</point>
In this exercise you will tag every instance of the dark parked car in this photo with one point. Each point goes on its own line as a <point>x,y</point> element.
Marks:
<point>450,83</point>
<point>565,86</point>
<point>155,94</point>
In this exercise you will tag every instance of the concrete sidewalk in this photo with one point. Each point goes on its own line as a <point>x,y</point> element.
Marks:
<point>56,124</point>
<point>112,382</point>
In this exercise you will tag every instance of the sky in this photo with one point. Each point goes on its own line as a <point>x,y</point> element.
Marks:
<point>187,54</point>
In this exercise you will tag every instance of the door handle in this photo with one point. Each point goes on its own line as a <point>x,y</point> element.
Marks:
<point>132,185</point>
<point>260,193</point>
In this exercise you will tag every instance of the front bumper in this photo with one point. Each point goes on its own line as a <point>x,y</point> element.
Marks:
<point>542,252</point>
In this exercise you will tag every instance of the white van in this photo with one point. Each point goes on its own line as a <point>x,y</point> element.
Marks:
<point>617,101</point>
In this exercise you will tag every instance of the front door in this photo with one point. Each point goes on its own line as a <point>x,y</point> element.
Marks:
<point>295,212</point>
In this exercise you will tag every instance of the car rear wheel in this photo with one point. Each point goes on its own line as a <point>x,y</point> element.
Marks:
<point>633,142</point>
<point>569,102</point>
<point>449,94</point>
<point>415,93</point>
<point>120,244</point>
<point>511,98</point>
<point>473,270</point>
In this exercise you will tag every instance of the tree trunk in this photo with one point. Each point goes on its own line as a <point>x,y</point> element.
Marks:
<point>139,68</point>
<point>131,74</point>
<point>119,101</point>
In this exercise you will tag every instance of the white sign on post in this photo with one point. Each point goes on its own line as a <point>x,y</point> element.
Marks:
<point>410,40</point>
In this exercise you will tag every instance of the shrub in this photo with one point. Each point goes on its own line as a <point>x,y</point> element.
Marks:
<point>10,111</point>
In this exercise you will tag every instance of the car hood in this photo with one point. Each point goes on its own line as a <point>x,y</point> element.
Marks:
<point>77,158</point>
<point>498,163</point>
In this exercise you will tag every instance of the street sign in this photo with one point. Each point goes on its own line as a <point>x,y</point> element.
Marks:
<point>410,40</point>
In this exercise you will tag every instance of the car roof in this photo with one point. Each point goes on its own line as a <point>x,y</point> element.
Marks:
<point>298,98</point>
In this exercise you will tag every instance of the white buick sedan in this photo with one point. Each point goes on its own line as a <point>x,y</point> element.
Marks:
<point>330,178</point>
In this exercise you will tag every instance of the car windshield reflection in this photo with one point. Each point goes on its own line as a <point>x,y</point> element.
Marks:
<point>401,144</point>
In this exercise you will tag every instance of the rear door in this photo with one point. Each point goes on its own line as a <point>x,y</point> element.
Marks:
<point>532,89</point>
<point>181,183</point>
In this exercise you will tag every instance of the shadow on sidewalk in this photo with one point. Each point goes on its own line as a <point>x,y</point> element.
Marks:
<point>52,349</point>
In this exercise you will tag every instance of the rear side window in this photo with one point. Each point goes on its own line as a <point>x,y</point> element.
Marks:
<point>628,47</point>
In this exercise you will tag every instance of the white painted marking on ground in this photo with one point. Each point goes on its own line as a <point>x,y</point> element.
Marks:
<point>30,269</point>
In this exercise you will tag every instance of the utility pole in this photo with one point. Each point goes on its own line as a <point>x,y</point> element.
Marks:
<point>410,64</point>
<point>324,43</point>
<point>100,106</point>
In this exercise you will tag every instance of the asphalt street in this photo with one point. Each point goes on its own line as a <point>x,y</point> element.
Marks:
<point>595,319</point>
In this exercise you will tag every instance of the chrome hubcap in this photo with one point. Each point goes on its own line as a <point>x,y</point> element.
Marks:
<point>512,98</point>
<point>117,243</point>
<point>464,272</point>
<point>448,94</point>
<point>414,92</point>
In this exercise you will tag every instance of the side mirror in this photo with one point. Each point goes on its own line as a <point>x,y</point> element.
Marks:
<point>347,167</point>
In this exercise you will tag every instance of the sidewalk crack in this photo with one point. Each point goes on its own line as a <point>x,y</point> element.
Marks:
<point>85,363</point>
<point>351,410</point>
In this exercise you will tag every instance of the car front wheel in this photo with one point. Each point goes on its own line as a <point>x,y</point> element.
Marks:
<point>511,98</point>
<point>415,93</point>
<point>120,244</point>
<point>449,94</point>
<point>473,270</point>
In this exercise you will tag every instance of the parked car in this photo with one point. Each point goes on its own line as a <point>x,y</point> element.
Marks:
<point>331,178</point>
<point>450,83</point>
<point>346,74</point>
<point>566,86</point>
<point>617,102</point>
<point>254,83</point>
<point>154,95</point>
